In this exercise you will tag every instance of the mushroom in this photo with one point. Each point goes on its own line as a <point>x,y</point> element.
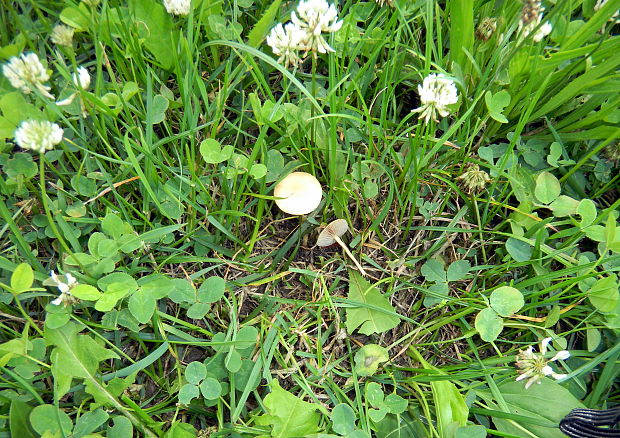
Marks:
<point>299,193</point>
<point>331,234</point>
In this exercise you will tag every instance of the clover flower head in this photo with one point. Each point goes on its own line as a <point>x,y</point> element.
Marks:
<point>286,41</point>
<point>474,179</point>
<point>314,17</point>
<point>81,78</point>
<point>64,283</point>
<point>62,35</point>
<point>533,367</point>
<point>27,73</point>
<point>486,28</point>
<point>539,33</point>
<point>437,92</point>
<point>531,17</point>
<point>178,7</point>
<point>38,135</point>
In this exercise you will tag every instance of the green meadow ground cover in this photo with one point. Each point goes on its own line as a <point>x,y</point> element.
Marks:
<point>151,286</point>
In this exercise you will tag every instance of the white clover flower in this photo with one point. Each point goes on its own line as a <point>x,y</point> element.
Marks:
<point>534,367</point>
<point>38,135</point>
<point>178,7</point>
<point>64,285</point>
<point>437,92</point>
<point>314,17</point>
<point>286,41</point>
<point>474,179</point>
<point>27,73</point>
<point>81,78</point>
<point>384,2</point>
<point>62,35</point>
<point>540,33</point>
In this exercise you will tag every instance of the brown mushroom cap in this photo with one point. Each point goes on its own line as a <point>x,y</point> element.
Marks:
<point>300,192</point>
<point>335,228</point>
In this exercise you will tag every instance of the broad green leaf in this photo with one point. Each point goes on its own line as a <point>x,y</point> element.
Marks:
<point>195,372</point>
<point>156,286</point>
<point>19,419</point>
<point>555,152</point>
<point>257,171</point>
<point>604,293</point>
<point>261,28</point>
<point>157,29</point>
<point>198,310</point>
<point>114,292</point>
<point>78,18</point>
<point>343,419</point>
<point>564,206</point>
<point>50,419</point>
<point>74,357</point>
<point>181,430</point>
<point>12,348</point>
<point>433,270</point>
<point>289,416</point>
<point>15,108</point>
<point>489,324</point>
<point>114,226</point>
<point>368,358</point>
<point>233,361</point>
<point>22,278</point>
<point>519,250</point>
<point>212,290</point>
<point>20,164</point>
<point>374,394</point>
<point>458,270</point>
<point>89,422</point>
<point>496,104</point>
<point>122,428</point>
<point>436,294</point>
<point>86,292</point>
<point>188,392</point>
<point>472,431</point>
<point>395,404</point>
<point>210,388</point>
<point>369,320</point>
<point>378,414</point>
<point>587,210</point>
<point>158,109</point>
<point>182,291</point>
<point>547,188</point>
<point>246,337</point>
<point>213,153</point>
<point>593,338</point>
<point>142,305</point>
<point>506,300</point>
<point>546,402</point>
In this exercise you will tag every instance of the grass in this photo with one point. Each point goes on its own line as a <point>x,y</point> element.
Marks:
<point>160,198</point>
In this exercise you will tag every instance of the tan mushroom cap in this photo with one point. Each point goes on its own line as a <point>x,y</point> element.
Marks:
<point>300,192</point>
<point>336,228</point>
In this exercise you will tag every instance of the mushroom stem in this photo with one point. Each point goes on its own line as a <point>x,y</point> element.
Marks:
<point>348,253</point>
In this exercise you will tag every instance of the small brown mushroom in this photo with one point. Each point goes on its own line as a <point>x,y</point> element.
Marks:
<point>331,234</point>
<point>299,193</point>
